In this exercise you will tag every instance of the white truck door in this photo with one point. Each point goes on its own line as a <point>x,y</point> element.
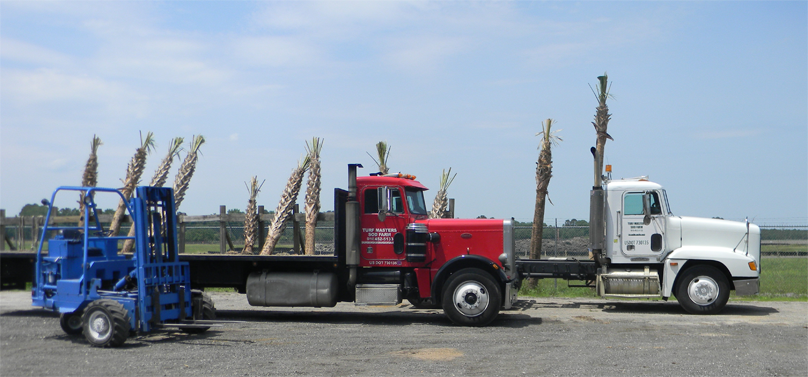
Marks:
<point>642,224</point>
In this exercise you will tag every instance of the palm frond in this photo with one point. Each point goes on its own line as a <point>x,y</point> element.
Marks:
<point>383,153</point>
<point>441,201</point>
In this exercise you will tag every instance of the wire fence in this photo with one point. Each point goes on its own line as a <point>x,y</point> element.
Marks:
<point>225,233</point>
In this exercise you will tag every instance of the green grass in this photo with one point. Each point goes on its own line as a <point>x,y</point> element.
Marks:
<point>784,248</point>
<point>781,279</point>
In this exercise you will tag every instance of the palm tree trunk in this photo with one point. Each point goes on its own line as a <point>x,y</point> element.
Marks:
<point>90,176</point>
<point>601,124</point>
<point>251,217</point>
<point>158,180</point>
<point>313,193</point>
<point>186,171</point>
<point>285,207</point>
<point>133,172</point>
<point>544,171</point>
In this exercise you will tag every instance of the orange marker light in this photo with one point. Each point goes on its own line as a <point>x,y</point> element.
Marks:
<point>674,264</point>
<point>752,266</point>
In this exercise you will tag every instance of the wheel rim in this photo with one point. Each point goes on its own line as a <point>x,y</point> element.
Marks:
<point>703,290</point>
<point>99,326</point>
<point>471,298</point>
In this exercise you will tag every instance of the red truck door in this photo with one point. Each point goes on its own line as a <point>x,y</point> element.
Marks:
<point>382,242</point>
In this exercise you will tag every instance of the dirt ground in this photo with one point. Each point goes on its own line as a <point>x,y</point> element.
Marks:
<point>546,336</point>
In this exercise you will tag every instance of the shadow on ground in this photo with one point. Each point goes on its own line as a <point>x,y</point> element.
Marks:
<point>647,307</point>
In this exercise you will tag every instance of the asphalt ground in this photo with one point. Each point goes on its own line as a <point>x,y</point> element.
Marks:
<point>546,336</point>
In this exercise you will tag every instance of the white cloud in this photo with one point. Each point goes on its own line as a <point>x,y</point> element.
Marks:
<point>15,50</point>
<point>276,51</point>
<point>424,54</point>
<point>42,85</point>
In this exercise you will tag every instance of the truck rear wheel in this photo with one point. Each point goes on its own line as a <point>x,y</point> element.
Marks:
<point>471,297</point>
<point>703,290</point>
<point>106,323</point>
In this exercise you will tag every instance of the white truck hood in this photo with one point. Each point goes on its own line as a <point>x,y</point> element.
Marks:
<point>733,235</point>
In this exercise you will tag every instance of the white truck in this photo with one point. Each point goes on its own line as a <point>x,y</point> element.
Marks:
<point>640,249</point>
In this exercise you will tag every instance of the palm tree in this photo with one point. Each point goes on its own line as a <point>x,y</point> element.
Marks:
<point>383,152</point>
<point>161,174</point>
<point>601,123</point>
<point>441,199</point>
<point>544,171</point>
<point>158,180</point>
<point>285,206</point>
<point>90,176</point>
<point>313,192</point>
<point>133,172</point>
<point>183,178</point>
<point>251,217</point>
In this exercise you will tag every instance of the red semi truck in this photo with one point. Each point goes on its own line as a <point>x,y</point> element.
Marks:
<point>386,250</point>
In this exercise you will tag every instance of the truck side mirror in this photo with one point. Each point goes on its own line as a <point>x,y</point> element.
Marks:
<point>646,208</point>
<point>383,193</point>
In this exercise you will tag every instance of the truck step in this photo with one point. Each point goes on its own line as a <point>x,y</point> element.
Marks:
<point>378,294</point>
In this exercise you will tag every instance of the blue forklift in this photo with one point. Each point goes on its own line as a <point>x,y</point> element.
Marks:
<point>107,295</point>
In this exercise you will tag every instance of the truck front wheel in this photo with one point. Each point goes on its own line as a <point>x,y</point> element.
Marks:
<point>471,297</point>
<point>703,290</point>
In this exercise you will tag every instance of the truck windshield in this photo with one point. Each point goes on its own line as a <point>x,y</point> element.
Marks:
<point>415,201</point>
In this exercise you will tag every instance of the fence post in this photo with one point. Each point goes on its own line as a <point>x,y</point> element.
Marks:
<point>555,250</point>
<point>3,229</point>
<point>21,232</point>
<point>181,234</point>
<point>222,229</point>
<point>295,230</point>
<point>557,235</point>
<point>34,232</point>
<point>261,226</point>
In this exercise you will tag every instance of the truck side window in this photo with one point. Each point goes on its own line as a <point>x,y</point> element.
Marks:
<point>396,204</point>
<point>371,200</point>
<point>656,209</point>
<point>632,203</point>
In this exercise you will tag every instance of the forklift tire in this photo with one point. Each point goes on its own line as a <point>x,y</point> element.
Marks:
<point>702,290</point>
<point>106,323</point>
<point>208,311</point>
<point>471,297</point>
<point>71,323</point>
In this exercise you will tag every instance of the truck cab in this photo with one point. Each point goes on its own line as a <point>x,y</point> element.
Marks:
<point>434,255</point>
<point>651,252</point>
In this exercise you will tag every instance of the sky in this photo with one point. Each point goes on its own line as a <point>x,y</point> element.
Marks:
<point>710,99</point>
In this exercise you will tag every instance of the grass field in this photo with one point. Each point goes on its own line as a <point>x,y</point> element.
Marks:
<point>781,279</point>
